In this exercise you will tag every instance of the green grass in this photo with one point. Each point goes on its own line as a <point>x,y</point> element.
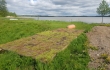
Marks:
<point>74,57</point>
<point>13,61</point>
<point>12,30</point>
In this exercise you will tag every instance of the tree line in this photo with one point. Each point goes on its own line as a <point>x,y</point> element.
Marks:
<point>4,11</point>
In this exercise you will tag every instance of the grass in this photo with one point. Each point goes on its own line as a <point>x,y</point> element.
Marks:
<point>13,61</point>
<point>12,30</point>
<point>74,57</point>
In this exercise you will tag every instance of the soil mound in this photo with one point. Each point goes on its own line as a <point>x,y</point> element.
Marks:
<point>99,52</point>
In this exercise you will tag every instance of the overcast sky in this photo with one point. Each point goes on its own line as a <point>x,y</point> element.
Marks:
<point>54,7</point>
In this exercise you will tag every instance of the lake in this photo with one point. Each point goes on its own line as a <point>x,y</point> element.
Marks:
<point>82,19</point>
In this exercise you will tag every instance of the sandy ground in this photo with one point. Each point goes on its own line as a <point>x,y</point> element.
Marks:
<point>99,39</point>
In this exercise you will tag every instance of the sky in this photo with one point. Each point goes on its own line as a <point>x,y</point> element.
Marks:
<point>54,7</point>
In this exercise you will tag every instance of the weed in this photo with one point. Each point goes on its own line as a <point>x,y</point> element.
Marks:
<point>104,55</point>
<point>93,48</point>
<point>107,60</point>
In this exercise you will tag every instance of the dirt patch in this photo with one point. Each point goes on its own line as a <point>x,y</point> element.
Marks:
<point>44,45</point>
<point>99,39</point>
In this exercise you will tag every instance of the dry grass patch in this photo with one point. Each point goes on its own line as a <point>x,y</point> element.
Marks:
<point>44,45</point>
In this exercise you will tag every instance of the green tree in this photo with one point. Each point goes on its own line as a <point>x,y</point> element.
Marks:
<point>3,8</point>
<point>109,11</point>
<point>103,9</point>
<point>12,14</point>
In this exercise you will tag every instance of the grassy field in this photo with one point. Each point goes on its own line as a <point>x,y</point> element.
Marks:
<point>12,30</point>
<point>74,57</point>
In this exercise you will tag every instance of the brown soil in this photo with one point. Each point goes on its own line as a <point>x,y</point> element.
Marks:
<point>99,39</point>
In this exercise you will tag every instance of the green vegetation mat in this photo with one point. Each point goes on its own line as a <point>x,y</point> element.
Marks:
<point>43,45</point>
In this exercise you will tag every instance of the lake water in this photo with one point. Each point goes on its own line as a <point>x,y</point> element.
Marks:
<point>82,19</point>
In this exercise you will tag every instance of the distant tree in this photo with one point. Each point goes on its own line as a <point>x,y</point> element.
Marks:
<point>12,14</point>
<point>109,11</point>
<point>103,9</point>
<point>3,8</point>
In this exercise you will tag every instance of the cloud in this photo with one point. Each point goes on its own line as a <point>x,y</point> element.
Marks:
<point>54,7</point>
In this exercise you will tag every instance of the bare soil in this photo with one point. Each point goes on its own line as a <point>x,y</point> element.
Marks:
<point>99,39</point>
